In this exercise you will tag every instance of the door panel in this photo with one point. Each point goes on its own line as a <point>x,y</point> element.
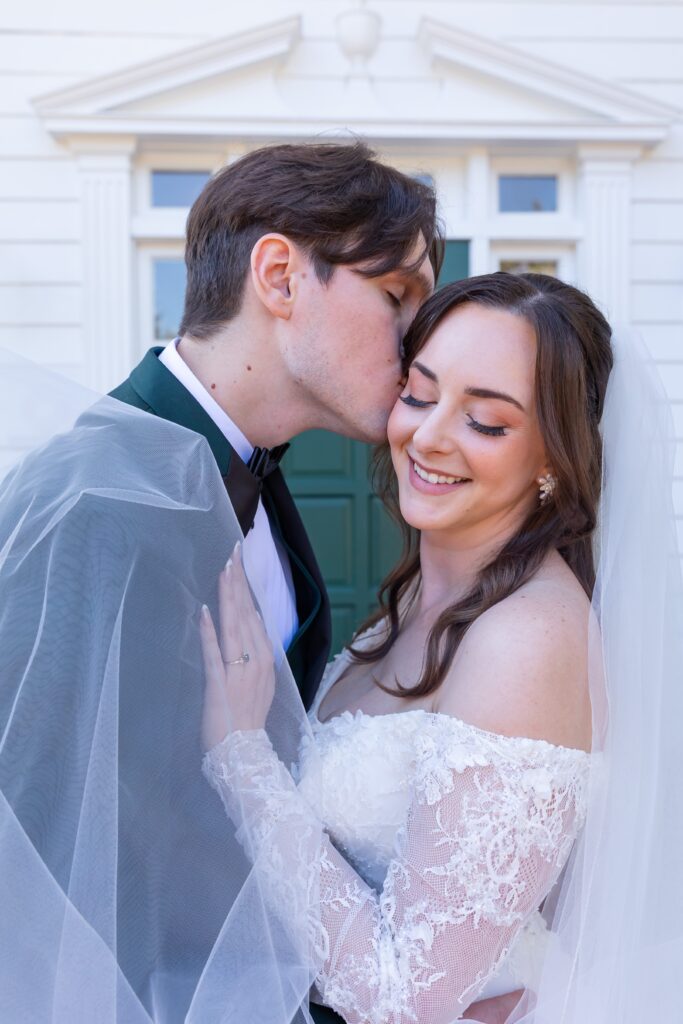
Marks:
<point>353,538</point>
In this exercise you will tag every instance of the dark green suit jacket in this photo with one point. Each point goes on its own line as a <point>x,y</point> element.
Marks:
<point>153,388</point>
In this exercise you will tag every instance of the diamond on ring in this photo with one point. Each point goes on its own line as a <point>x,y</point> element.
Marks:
<point>239,661</point>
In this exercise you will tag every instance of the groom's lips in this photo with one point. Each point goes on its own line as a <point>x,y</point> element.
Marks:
<point>426,487</point>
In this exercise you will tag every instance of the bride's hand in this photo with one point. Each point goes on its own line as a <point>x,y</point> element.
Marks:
<point>239,669</point>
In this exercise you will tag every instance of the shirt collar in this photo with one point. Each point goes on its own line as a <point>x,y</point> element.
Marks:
<point>174,362</point>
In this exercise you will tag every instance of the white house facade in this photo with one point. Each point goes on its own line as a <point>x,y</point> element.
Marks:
<point>552,130</point>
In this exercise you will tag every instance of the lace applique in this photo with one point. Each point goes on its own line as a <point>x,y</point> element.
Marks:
<point>490,825</point>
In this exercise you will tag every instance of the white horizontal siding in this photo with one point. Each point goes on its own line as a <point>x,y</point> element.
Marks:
<point>18,90</point>
<point>89,54</point>
<point>657,220</point>
<point>658,303</point>
<point>657,262</point>
<point>59,304</point>
<point>660,179</point>
<point>23,136</point>
<point>35,262</point>
<point>31,221</point>
<point>39,179</point>
<point>48,344</point>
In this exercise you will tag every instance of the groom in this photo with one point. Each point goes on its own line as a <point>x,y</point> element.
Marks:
<point>305,266</point>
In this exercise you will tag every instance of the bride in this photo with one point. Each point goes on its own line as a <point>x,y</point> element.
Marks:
<point>459,743</point>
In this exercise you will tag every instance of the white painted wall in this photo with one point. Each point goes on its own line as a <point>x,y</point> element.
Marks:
<point>44,47</point>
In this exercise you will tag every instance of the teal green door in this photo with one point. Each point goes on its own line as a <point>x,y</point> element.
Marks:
<point>355,541</point>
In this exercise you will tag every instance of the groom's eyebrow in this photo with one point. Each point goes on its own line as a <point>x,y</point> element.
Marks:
<point>419,279</point>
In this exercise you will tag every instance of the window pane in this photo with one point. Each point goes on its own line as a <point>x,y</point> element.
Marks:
<point>456,261</point>
<point>529,267</point>
<point>169,295</point>
<point>520,194</point>
<point>177,188</point>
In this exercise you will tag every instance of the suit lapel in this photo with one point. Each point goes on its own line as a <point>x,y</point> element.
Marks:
<point>151,386</point>
<point>310,648</point>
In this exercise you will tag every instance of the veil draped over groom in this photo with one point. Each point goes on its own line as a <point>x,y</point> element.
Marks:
<point>119,872</point>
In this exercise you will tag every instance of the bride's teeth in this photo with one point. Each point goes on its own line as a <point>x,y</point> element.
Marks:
<point>434,478</point>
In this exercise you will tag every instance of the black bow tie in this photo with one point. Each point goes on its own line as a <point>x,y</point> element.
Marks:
<point>264,460</point>
<point>244,481</point>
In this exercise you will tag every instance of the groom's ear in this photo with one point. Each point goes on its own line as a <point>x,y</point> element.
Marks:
<point>274,259</point>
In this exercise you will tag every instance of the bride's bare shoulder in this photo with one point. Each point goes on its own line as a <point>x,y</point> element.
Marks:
<point>521,669</point>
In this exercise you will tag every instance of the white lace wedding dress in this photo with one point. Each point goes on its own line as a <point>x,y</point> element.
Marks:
<point>440,842</point>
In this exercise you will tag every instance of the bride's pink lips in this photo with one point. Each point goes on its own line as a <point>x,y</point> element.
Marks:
<point>423,485</point>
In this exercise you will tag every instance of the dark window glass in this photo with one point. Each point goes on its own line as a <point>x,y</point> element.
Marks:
<point>177,188</point>
<point>456,263</point>
<point>526,194</point>
<point>169,295</point>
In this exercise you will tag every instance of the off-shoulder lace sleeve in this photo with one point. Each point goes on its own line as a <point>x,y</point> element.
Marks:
<point>490,826</point>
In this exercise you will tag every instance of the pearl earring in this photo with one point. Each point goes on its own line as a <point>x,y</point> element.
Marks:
<point>548,484</point>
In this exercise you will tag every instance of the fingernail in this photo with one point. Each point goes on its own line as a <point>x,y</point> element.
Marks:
<point>228,565</point>
<point>205,613</point>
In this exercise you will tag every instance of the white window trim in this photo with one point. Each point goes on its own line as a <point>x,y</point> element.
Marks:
<point>175,160</point>
<point>159,231</point>
<point>558,224</point>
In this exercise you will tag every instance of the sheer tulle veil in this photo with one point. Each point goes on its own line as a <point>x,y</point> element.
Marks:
<point>126,903</point>
<point>617,920</point>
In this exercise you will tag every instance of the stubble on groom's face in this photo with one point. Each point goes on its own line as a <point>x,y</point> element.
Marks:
<point>353,330</point>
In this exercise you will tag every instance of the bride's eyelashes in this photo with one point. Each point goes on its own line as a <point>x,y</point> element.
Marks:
<point>484,429</point>
<point>481,428</point>
<point>409,400</point>
<point>393,299</point>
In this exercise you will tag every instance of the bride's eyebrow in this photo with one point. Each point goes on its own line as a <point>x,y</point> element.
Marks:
<point>425,371</point>
<point>488,393</point>
<point>474,392</point>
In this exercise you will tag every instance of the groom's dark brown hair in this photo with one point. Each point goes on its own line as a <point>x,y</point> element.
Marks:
<point>336,201</point>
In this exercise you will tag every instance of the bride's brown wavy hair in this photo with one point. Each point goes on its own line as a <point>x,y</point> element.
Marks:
<point>573,362</point>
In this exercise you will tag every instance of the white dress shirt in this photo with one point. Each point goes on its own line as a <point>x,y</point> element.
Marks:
<point>265,560</point>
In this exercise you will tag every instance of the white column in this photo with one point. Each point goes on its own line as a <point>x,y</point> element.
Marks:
<point>604,252</point>
<point>477,209</point>
<point>105,177</point>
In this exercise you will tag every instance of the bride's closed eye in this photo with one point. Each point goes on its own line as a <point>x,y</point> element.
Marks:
<point>416,402</point>
<point>481,428</point>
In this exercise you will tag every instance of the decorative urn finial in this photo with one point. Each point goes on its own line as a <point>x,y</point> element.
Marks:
<point>358,33</point>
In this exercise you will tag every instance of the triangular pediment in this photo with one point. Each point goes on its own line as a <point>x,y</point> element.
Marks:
<point>274,81</point>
